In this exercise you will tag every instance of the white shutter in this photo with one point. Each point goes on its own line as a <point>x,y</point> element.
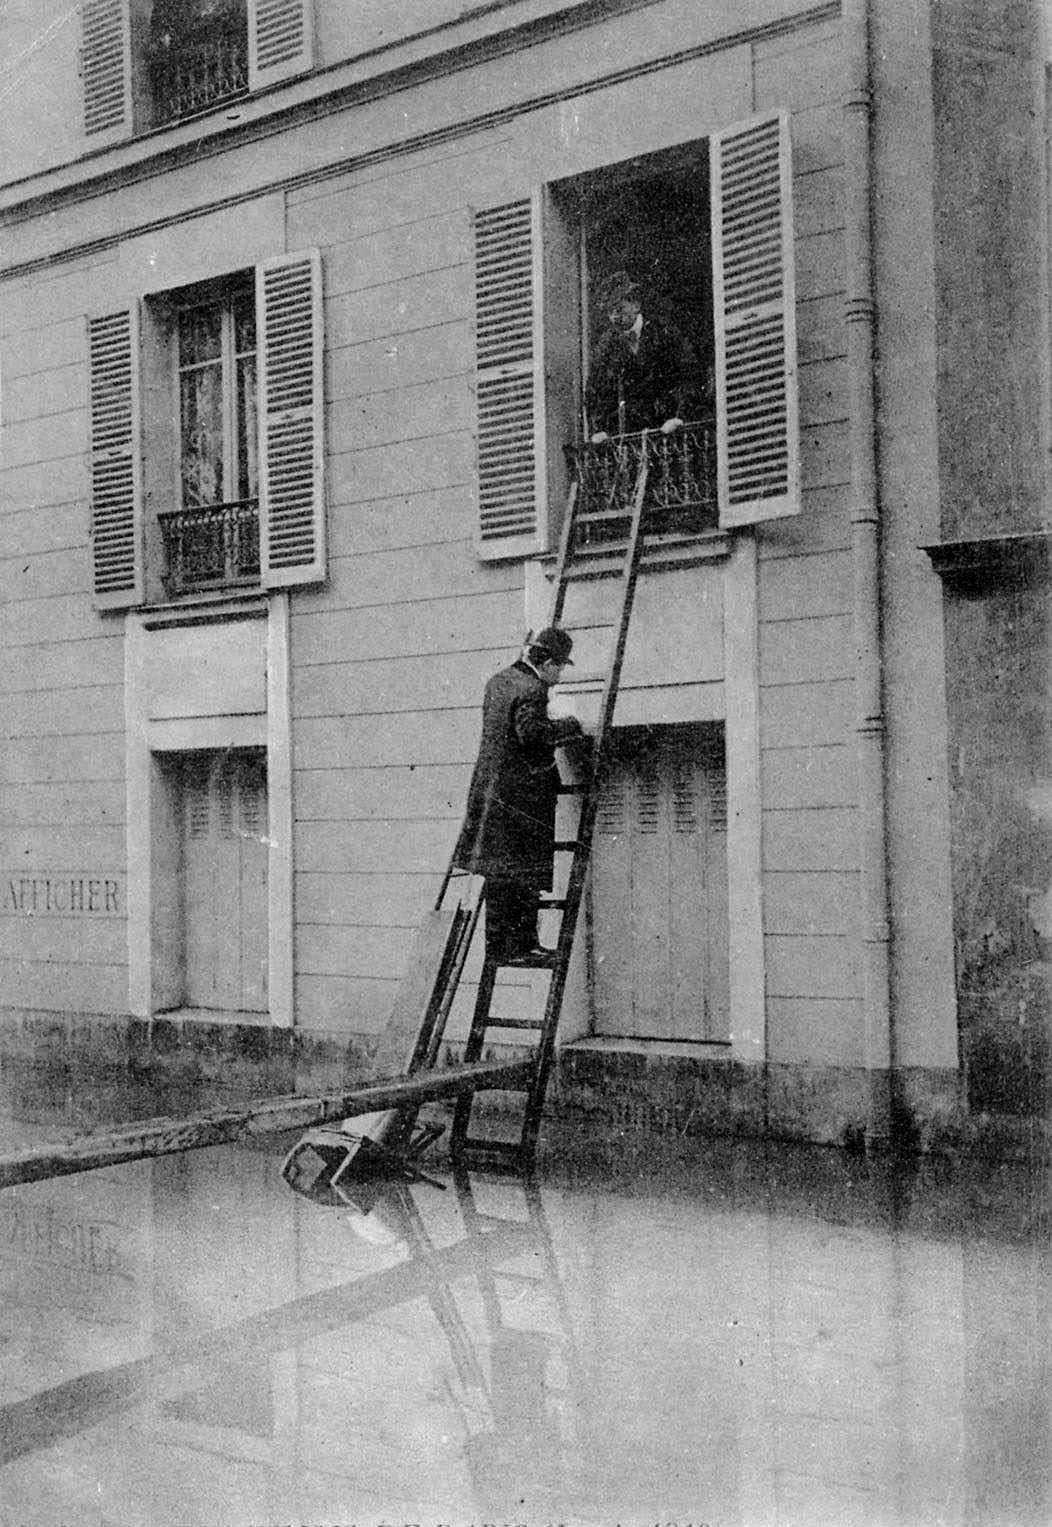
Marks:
<point>291,453</point>
<point>755,321</point>
<point>116,464</point>
<point>280,40</point>
<point>509,379</point>
<point>105,66</point>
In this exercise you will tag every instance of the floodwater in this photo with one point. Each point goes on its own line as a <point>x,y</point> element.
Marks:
<point>754,1336</point>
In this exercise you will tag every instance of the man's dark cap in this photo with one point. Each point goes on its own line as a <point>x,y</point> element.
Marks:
<point>553,643</point>
<point>615,289</point>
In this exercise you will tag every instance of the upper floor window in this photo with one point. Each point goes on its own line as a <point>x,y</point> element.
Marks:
<point>206,414</point>
<point>147,63</point>
<point>693,378</point>
<point>197,56</point>
<point>211,537</point>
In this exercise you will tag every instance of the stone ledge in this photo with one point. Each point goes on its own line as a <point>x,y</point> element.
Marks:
<point>599,1090</point>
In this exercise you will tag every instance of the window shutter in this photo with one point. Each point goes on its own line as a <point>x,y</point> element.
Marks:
<point>116,465</point>
<point>280,41</point>
<point>509,379</point>
<point>106,70</point>
<point>755,320</point>
<point>291,456</point>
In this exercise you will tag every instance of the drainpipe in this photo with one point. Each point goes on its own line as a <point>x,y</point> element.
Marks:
<point>865,545</point>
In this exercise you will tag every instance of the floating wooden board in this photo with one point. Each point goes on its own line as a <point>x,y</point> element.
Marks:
<point>224,1126</point>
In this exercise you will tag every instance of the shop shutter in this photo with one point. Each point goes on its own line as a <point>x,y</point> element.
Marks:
<point>291,412</point>
<point>508,379</point>
<point>105,66</point>
<point>755,322</point>
<point>280,41</point>
<point>116,466</point>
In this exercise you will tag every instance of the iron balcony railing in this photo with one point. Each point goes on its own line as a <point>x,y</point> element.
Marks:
<point>215,547</point>
<point>681,482</point>
<point>191,75</point>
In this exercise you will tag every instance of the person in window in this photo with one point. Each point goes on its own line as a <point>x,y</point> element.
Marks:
<point>508,834</point>
<point>645,374</point>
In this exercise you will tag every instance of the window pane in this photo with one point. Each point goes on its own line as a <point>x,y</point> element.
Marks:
<point>245,322</point>
<point>200,335</point>
<point>247,469</point>
<point>201,419</point>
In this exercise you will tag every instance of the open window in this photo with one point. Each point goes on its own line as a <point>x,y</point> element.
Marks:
<point>703,231</point>
<point>148,63</point>
<point>207,437</point>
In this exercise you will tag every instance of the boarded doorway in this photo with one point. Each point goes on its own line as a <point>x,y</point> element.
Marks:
<point>224,840</point>
<point>658,894</point>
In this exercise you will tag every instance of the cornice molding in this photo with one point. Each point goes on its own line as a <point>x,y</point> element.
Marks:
<point>1017,559</point>
<point>168,157</point>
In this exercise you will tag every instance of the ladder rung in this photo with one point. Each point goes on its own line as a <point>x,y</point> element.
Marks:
<point>495,1147</point>
<point>571,790</point>
<point>565,845</point>
<point>515,1023</point>
<point>593,516</point>
<point>547,903</point>
<point>543,961</point>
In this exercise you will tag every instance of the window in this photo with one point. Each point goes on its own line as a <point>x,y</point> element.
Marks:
<point>206,405</point>
<point>196,56</point>
<point>148,63</point>
<point>211,537</point>
<point>706,231</point>
<point>649,219</point>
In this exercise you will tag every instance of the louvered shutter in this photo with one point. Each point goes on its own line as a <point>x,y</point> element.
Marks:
<point>755,322</point>
<point>116,465</point>
<point>280,40</point>
<point>509,379</point>
<point>106,70</point>
<point>291,457</point>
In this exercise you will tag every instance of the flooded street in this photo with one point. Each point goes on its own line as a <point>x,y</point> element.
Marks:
<point>758,1336</point>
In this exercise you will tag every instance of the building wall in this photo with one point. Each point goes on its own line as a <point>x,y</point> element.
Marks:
<point>388,657</point>
<point>992,314</point>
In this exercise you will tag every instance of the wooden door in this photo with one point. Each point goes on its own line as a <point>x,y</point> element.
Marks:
<point>225,880</point>
<point>658,891</point>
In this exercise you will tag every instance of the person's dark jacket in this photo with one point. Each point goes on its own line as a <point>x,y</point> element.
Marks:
<point>509,825</point>
<point>660,381</point>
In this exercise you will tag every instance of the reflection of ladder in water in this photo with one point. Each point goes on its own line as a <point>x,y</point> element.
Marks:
<point>485,1021</point>
<point>409,1045</point>
<point>538,1400</point>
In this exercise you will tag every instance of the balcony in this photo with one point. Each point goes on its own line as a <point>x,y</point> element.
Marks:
<point>211,548</point>
<point>681,483</point>
<point>195,71</point>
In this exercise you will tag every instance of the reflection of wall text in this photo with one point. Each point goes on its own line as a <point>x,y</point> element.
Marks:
<point>51,1240</point>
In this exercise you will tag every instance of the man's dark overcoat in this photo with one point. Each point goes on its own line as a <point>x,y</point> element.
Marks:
<point>509,826</point>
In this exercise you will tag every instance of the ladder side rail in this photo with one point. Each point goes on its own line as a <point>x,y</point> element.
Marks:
<point>451,984</point>
<point>586,825</point>
<point>567,543</point>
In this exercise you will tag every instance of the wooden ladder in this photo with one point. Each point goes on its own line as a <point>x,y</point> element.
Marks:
<point>463,1144</point>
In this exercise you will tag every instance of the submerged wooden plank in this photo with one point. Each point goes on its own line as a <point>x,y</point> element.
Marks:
<point>225,1126</point>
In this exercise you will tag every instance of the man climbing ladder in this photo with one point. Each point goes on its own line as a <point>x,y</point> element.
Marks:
<point>507,846</point>
<point>508,834</point>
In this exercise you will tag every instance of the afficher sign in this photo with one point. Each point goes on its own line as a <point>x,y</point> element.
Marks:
<point>63,896</point>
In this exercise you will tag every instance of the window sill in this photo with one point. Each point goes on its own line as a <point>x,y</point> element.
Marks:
<point>665,1049</point>
<point>661,553</point>
<point>219,604</point>
<point>229,1017</point>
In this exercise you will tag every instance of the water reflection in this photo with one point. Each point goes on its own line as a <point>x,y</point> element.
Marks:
<point>764,1337</point>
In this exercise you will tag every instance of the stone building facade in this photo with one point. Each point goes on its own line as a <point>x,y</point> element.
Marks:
<point>297,305</point>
